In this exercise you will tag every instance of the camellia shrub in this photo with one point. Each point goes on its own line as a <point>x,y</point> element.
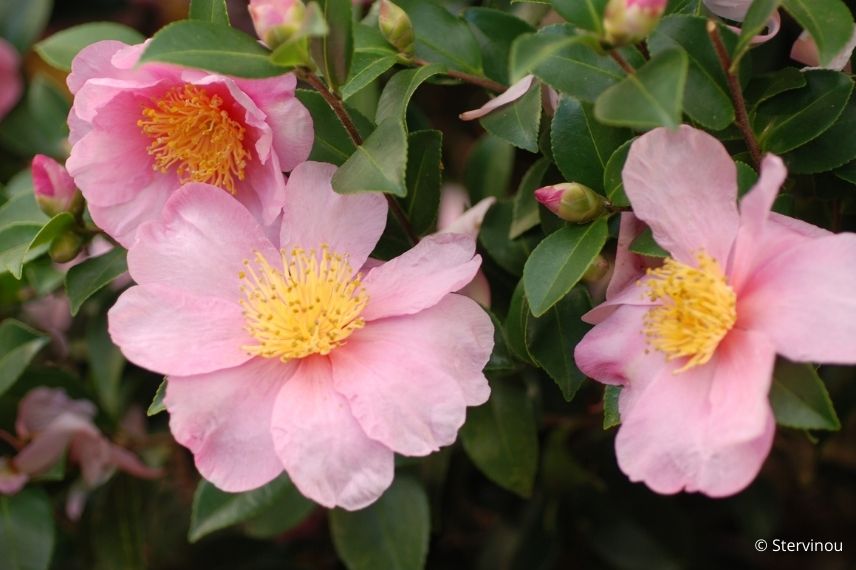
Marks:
<point>548,284</point>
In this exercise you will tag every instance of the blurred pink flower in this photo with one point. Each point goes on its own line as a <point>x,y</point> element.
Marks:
<point>11,480</point>
<point>11,85</point>
<point>51,314</point>
<point>54,188</point>
<point>53,423</point>
<point>283,356</point>
<point>140,131</point>
<point>694,340</point>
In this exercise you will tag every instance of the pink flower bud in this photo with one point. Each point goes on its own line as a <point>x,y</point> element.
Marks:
<point>395,25</point>
<point>630,21</point>
<point>572,202</point>
<point>276,21</point>
<point>55,190</point>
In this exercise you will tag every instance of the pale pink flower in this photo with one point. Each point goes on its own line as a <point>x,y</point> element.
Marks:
<point>507,97</point>
<point>284,356</point>
<point>138,132</point>
<point>54,188</point>
<point>694,340</point>
<point>54,424</point>
<point>11,85</point>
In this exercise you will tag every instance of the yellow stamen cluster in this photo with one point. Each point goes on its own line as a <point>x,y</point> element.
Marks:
<point>309,307</point>
<point>191,130</point>
<point>698,309</point>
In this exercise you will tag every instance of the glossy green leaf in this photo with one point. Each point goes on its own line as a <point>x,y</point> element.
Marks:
<point>835,147</point>
<point>489,168</point>
<point>644,244</point>
<point>26,530</point>
<point>768,85</point>
<point>332,142</point>
<point>214,47</point>
<point>289,511</point>
<point>501,437</point>
<point>90,276</point>
<point>757,17</point>
<point>38,124</point>
<point>798,116</point>
<point>652,97</point>
<point>378,165</point>
<point>442,37</point>
<point>22,209</point>
<point>582,145</point>
<point>525,214</point>
<point>611,415</point>
<point>15,243</point>
<point>424,176</point>
<point>551,339</point>
<point>213,11</point>
<point>560,261</point>
<point>40,242</point>
<point>585,14</point>
<point>799,398</point>
<point>214,509</point>
<point>333,51</point>
<point>399,90</point>
<point>391,533</point>
<point>60,48</point>
<point>518,122</point>
<point>829,22</point>
<point>157,406</point>
<point>365,68</point>
<point>515,324</point>
<point>21,21</point>
<point>19,344</point>
<point>495,32</point>
<point>509,254</point>
<point>106,365</point>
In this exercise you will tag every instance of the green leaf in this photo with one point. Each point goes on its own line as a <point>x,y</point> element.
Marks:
<point>26,530</point>
<point>515,324</point>
<point>424,176</point>
<point>829,22</point>
<point>798,116</point>
<point>767,86</point>
<point>706,97</point>
<point>87,278</point>
<point>611,416</point>
<point>22,209</point>
<point>157,406</point>
<point>214,509</point>
<point>644,244</point>
<point>585,14</point>
<point>333,52</point>
<point>15,243</point>
<point>59,49</point>
<point>799,398</point>
<point>519,121</point>
<point>38,124</point>
<point>379,164</point>
<point>652,97</point>
<point>19,344</point>
<point>757,17</point>
<point>365,68</point>
<point>391,533</point>
<point>508,254</point>
<point>399,90</point>
<point>551,339</point>
<point>442,37</point>
<point>559,262</point>
<point>213,11</point>
<point>746,178</point>
<point>290,510</point>
<point>834,148</point>
<point>22,21</point>
<point>40,242</point>
<point>489,168</point>
<point>106,365</point>
<point>525,214</point>
<point>214,47</point>
<point>495,32</point>
<point>581,145</point>
<point>501,437</point>
<point>332,142</point>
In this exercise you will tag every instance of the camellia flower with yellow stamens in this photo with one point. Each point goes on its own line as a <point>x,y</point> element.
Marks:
<point>138,132</point>
<point>303,354</point>
<point>693,340</point>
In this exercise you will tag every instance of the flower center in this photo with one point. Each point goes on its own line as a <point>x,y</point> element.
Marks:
<point>698,309</point>
<point>190,129</point>
<point>309,307</point>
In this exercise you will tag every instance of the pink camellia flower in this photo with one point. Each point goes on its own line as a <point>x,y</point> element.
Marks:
<point>285,355</point>
<point>275,21</point>
<point>693,341</point>
<point>138,132</point>
<point>11,85</point>
<point>53,423</point>
<point>54,188</point>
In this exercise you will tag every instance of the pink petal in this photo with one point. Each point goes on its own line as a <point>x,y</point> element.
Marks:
<point>629,266</point>
<point>323,448</point>
<point>754,212</point>
<point>199,245</point>
<point>173,332</point>
<point>42,406</point>
<point>731,9</point>
<point>105,59</point>
<point>120,221</point>
<point>683,184</point>
<point>314,215</point>
<point>805,51</point>
<point>10,480</point>
<point>409,379</point>
<point>130,463</point>
<point>708,429</point>
<point>92,453</point>
<point>453,203</point>
<point>470,222</point>
<point>11,85</point>
<point>420,277</point>
<point>49,445</point>
<point>510,95</point>
<point>224,418</point>
<point>803,300</point>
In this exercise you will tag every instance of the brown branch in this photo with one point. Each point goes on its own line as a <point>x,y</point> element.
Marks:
<point>622,62</point>
<point>741,114</point>
<point>339,109</point>
<point>483,82</point>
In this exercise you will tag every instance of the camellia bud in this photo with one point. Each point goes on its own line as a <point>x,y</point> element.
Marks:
<point>66,246</point>
<point>572,202</point>
<point>395,26</point>
<point>630,21</point>
<point>277,21</point>
<point>54,188</point>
